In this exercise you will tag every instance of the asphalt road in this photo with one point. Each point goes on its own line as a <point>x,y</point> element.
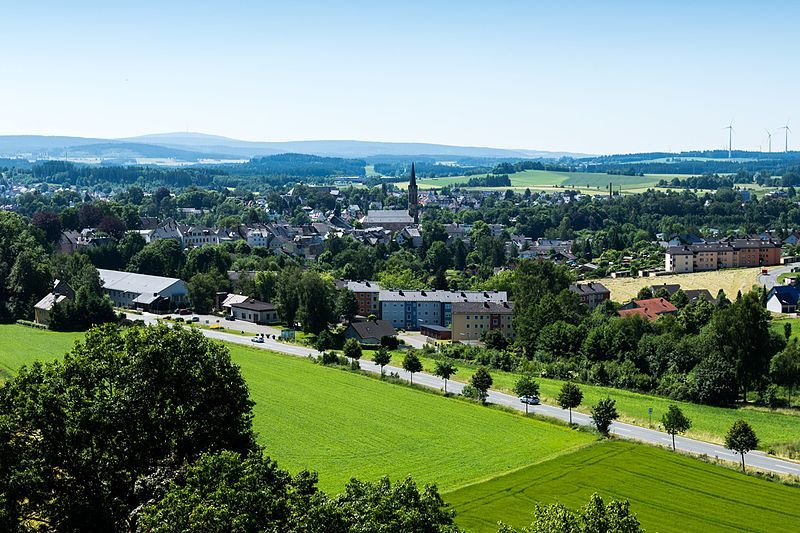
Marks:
<point>771,279</point>
<point>755,459</point>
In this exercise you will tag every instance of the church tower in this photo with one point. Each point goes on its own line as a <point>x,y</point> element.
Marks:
<point>413,198</point>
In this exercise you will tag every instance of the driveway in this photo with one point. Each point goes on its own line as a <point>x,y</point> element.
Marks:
<point>770,279</point>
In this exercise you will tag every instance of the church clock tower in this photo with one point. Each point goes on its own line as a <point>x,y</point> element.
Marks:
<point>413,198</point>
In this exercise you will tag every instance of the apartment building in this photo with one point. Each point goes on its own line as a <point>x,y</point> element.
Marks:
<point>472,319</point>
<point>412,309</point>
<point>727,253</point>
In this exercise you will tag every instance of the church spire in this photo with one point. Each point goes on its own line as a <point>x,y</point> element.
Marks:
<point>413,198</point>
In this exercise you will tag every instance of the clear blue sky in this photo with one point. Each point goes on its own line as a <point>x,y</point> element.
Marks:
<point>595,77</point>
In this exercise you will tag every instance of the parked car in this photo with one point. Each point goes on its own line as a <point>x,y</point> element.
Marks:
<point>230,317</point>
<point>183,312</point>
<point>258,338</point>
<point>195,319</point>
<point>530,400</point>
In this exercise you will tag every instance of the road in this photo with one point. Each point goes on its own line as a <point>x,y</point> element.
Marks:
<point>770,279</point>
<point>755,459</point>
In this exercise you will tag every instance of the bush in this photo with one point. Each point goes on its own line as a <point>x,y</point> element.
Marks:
<point>392,343</point>
<point>29,324</point>
<point>469,391</point>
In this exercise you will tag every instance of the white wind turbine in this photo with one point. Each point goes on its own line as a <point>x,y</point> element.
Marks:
<point>769,137</point>
<point>729,127</point>
<point>786,131</point>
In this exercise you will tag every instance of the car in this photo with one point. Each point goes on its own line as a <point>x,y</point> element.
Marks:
<point>530,400</point>
<point>183,312</point>
<point>258,338</point>
<point>230,317</point>
<point>195,319</point>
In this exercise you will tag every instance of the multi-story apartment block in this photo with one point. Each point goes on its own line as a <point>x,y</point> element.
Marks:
<point>412,309</point>
<point>727,253</point>
<point>472,319</point>
<point>591,294</point>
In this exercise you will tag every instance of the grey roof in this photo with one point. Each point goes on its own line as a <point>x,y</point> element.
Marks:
<point>443,296</point>
<point>504,308</point>
<point>374,329</point>
<point>251,304</point>
<point>135,283</point>
<point>363,286</point>
<point>589,288</point>
<point>49,301</point>
<point>378,216</point>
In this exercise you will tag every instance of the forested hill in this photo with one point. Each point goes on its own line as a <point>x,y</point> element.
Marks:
<point>299,166</point>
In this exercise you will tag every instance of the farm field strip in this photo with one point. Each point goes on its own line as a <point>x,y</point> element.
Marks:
<point>730,280</point>
<point>668,492</point>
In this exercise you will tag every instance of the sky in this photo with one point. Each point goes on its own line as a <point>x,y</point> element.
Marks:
<point>591,77</point>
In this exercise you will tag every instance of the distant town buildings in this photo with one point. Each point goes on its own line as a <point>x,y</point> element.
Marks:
<point>591,294</point>
<point>651,309</point>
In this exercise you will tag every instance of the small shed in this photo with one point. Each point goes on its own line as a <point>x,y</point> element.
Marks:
<point>440,333</point>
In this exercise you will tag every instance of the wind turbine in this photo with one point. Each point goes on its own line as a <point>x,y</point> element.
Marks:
<point>769,136</point>
<point>729,127</point>
<point>786,131</point>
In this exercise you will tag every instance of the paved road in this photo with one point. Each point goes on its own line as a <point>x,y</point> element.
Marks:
<point>754,459</point>
<point>771,279</point>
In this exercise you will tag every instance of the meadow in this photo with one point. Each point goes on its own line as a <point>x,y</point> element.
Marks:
<point>667,491</point>
<point>490,464</point>
<point>586,182</point>
<point>731,280</point>
<point>774,428</point>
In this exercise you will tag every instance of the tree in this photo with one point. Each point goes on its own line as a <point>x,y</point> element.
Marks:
<point>445,369</point>
<point>482,381</point>
<point>163,257</point>
<point>675,421</point>
<point>645,293</point>
<point>741,438</point>
<point>784,369</point>
<point>352,349</point>
<point>346,304</point>
<point>315,302</point>
<point>596,517</point>
<point>382,358</point>
<point>526,386</point>
<point>679,299</point>
<point>203,288</point>
<point>412,364</point>
<point>603,413</point>
<point>49,223</point>
<point>570,397</point>
<point>113,226</point>
<point>288,294</point>
<point>494,339</point>
<point>787,330</point>
<point>86,440</point>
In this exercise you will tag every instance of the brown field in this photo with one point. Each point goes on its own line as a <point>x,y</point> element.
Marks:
<point>730,280</point>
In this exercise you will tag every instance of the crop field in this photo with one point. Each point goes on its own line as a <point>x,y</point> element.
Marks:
<point>710,424</point>
<point>668,492</point>
<point>730,280</point>
<point>346,425</point>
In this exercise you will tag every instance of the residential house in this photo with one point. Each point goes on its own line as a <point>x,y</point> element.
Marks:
<point>651,309</point>
<point>252,310</point>
<point>369,331</point>
<point>591,294</point>
<point>44,307</point>
<point>783,299</point>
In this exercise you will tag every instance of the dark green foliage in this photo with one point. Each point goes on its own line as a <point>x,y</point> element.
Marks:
<point>596,517</point>
<point>526,386</point>
<point>382,358</point>
<point>445,370</point>
<point>674,421</point>
<point>203,288</point>
<point>346,305</point>
<point>412,364</point>
<point>784,369</point>
<point>352,349</point>
<point>494,339</point>
<point>163,257</point>
<point>120,413</point>
<point>570,397</point>
<point>741,438</point>
<point>482,381</point>
<point>603,413</point>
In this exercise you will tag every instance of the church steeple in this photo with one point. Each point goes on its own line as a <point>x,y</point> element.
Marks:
<point>413,198</point>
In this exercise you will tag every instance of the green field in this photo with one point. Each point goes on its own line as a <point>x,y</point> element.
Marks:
<point>21,345</point>
<point>668,492</point>
<point>708,423</point>
<point>490,464</point>
<point>588,182</point>
<point>344,425</point>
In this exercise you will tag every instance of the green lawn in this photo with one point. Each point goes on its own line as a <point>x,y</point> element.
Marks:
<point>343,425</point>
<point>21,345</point>
<point>708,423</point>
<point>668,492</point>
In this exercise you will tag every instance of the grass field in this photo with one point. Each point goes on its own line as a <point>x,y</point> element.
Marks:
<point>21,345</point>
<point>708,423</point>
<point>490,464</point>
<point>730,280</point>
<point>668,492</point>
<point>344,425</point>
<point>587,182</point>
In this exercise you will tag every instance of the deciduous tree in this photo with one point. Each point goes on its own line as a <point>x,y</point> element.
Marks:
<point>741,438</point>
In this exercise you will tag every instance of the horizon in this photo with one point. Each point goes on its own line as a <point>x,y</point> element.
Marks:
<point>595,79</point>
